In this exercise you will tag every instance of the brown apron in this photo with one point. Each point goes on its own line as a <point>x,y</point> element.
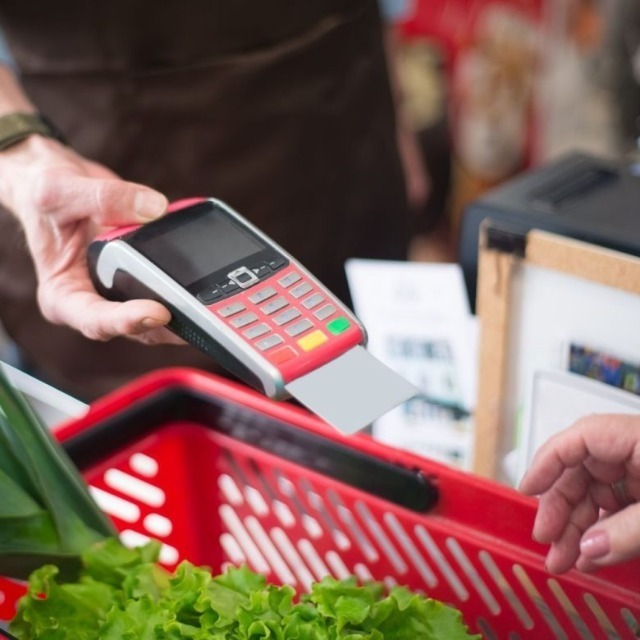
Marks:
<point>280,108</point>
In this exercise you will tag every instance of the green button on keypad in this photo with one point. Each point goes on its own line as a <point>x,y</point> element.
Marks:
<point>338,325</point>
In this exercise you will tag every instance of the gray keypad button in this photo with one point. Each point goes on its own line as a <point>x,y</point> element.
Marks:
<point>273,306</point>
<point>313,301</point>
<point>244,320</point>
<point>299,327</point>
<point>262,295</point>
<point>231,309</point>
<point>289,279</point>
<point>256,331</point>
<point>325,312</point>
<point>270,342</point>
<point>301,289</point>
<point>287,316</point>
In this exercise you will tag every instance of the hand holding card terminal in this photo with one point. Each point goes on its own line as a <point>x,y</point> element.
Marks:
<point>236,295</point>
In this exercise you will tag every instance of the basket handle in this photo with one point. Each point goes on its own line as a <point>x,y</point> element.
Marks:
<point>406,487</point>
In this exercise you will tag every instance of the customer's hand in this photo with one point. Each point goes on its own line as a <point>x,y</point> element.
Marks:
<point>62,200</point>
<point>588,480</point>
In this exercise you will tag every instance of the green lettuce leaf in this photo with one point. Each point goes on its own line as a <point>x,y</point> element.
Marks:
<point>61,612</point>
<point>122,594</point>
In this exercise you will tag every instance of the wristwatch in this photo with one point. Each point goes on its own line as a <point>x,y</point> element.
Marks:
<point>15,127</point>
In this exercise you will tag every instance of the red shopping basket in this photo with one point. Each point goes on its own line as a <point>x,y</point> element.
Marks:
<point>222,475</point>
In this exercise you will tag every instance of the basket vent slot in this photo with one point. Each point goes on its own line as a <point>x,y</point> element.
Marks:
<point>474,577</point>
<point>232,549</point>
<point>377,532</point>
<point>291,555</point>
<point>601,616</point>
<point>631,622</point>
<point>572,613</point>
<point>486,629</point>
<point>135,488</point>
<point>539,602</point>
<point>507,591</point>
<point>442,563</point>
<point>315,562</point>
<point>352,525</point>
<point>311,525</point>
<point>406,543</point>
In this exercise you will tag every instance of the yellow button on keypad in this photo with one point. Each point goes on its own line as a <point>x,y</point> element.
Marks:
<point>312,341</point>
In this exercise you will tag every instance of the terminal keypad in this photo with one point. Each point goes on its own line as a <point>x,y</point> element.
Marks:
<point>284,317</point>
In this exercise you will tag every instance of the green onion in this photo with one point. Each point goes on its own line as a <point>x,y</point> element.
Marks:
<point>47,515</point>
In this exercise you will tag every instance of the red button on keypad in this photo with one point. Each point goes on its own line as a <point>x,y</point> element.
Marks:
<point>283,354</point>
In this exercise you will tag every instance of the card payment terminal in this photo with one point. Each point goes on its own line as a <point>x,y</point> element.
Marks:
<point>240,298</point>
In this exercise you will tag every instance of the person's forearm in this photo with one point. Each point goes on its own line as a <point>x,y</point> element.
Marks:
<point>26,153</point>
<point>12,96</point>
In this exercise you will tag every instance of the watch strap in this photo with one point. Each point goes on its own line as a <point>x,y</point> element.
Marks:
<point>15,127</point>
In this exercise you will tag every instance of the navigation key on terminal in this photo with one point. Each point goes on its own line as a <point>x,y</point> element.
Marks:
<point>209,295</point>
<point>276,263</point>
<point>228,287</point>
<point>262,271</point>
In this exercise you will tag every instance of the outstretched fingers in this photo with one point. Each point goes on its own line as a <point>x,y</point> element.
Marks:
<point>611,540</point>
<point>72,301</point>
<point>107,201</point>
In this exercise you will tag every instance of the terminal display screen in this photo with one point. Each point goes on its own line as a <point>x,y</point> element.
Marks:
<point>189,246</point>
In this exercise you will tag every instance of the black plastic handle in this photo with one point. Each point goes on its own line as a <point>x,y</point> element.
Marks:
<point>4,633</point>
<point>403,486</point>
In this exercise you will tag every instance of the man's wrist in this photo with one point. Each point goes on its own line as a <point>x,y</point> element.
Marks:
<point>16,127</point>
<point>27,158</point>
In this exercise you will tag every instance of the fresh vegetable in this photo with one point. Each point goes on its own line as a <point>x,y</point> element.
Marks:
<point>46,512</point>
<point>122,594</point>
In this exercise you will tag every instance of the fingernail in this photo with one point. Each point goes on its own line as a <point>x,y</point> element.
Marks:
<point>149,204</point>
<point>595,544</point>
<point>151,323</point>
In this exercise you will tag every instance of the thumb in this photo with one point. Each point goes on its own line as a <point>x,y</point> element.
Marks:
<point>611,540</point>
<point>109,202</point>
